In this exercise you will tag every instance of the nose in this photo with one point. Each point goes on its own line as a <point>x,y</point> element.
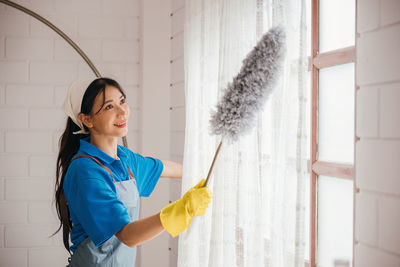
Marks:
<point>122,111</point>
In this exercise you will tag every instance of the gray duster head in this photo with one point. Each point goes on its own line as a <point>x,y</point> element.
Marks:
<point>249,90</point>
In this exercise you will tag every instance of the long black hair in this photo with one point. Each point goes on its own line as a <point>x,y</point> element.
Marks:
<point>69,146</point>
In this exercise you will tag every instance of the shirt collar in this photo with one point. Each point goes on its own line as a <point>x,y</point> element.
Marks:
<point>87,148</point>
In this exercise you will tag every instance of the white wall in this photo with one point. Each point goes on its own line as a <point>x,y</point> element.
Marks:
<point>36,67</point>
<point>377,208</point>
<point>177,104</point>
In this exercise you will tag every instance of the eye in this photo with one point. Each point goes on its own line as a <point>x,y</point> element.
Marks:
<point>123,100</point>
<point>108,107</point>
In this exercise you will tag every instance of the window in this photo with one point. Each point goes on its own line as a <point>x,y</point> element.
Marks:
<point>332,132</point>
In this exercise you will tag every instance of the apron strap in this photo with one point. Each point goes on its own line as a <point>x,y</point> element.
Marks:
<point>97,161</point>
<point>102,165</point>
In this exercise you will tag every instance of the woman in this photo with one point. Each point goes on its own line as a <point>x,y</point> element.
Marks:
<point>99,183</point>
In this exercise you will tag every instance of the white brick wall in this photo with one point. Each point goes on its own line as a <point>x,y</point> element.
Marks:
<point>377,209</point>
<point>36,69</point>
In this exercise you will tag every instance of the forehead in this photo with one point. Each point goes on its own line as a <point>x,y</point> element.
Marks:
<point>111,93</point>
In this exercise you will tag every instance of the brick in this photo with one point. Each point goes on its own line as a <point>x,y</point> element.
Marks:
<point>177,21</point>
<point>13,165</point>
<point>29,96</point>
<point>39,257</point>
<point>13,212</point>
<point>132,98</point>
<point>177,143</point>
<point>365,256</point>
<point>178,95</point>
<point>85,72</point>
<point>113,70</point>
<point>389,110</point>
<point>52,119</point>
<point>13,118</point>
<point>389,221</point>
<point>60,93</point>
<point>14,25</point>
<point>377,165</point>
<point>121,7</point>
<point>53,72</point>
<point>132,74</point>
<point>366,221</point>
<point>124,51</point>
<point>132,28</point>
<point>92,48</point>
<point>377,60</point>
<point>29,189</point>
<point>64,51</point>
<point>367,15</point>
<point>56,139</point>
<point>178,119</point>
<point>41,6</point>
<point>29,48</point>
<point>98,27</point>
<point>14,257</point>
<point>66,23</point>
<point>42,166</point>
<point>390,12</point>
<point>177,71</point>
<point>28,142</point>
<point>177,46</point>
<point>13,71</point>
<point>42,212</point>
<point>27,236</point>
<point>87,7</point>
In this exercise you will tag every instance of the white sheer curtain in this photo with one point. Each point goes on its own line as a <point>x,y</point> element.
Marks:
<point>257,215</point>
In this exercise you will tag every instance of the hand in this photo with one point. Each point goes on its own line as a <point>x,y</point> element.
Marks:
<point>176,217</point>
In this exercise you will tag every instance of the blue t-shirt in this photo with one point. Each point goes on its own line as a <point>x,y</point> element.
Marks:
<point>94,206</point>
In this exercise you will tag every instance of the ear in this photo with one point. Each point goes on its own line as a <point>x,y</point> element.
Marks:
<point>86,120</point>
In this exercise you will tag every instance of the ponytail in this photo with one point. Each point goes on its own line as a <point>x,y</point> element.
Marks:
<point>69,146</point>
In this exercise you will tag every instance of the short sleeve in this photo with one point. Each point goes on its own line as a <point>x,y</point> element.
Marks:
<point>96,204</point>
<point>147,171</point>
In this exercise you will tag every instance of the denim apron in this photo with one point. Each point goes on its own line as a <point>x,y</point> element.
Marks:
<point>112,252</point>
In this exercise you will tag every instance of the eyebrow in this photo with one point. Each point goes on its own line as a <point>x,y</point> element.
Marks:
<point>108,101</point>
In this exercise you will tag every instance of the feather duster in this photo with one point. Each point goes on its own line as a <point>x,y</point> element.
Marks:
<point>247,93</point>
<point>250,88</point>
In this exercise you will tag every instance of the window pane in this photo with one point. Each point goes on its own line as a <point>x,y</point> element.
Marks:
<point>335,222</point>
<point>336,24</point>
<point>336,114</point>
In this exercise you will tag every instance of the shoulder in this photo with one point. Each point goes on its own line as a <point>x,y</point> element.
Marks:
<point>84,168</point>
<point>130,154</point>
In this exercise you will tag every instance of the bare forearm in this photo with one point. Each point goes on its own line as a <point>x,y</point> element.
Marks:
<point>140,231</point>
<point>171,169</point>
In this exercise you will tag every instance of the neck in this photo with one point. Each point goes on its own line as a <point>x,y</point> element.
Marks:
<point>108,144</point>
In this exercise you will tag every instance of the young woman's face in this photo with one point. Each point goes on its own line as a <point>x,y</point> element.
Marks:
<point>112,119</point>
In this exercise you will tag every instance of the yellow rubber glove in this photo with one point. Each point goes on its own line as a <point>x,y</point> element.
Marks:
<point>176,217</point>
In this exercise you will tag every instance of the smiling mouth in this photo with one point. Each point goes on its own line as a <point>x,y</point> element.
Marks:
<point>121,125</point>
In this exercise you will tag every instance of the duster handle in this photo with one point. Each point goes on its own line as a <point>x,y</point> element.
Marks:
<point>195,220</point>
<point>212,164</point>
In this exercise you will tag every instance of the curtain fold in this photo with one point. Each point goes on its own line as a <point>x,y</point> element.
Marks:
<point>257,215</point>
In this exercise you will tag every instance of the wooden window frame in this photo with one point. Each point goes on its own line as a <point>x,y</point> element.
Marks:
<point>318,61</point>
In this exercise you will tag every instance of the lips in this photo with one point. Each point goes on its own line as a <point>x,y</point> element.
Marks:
<point>121,124</point>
